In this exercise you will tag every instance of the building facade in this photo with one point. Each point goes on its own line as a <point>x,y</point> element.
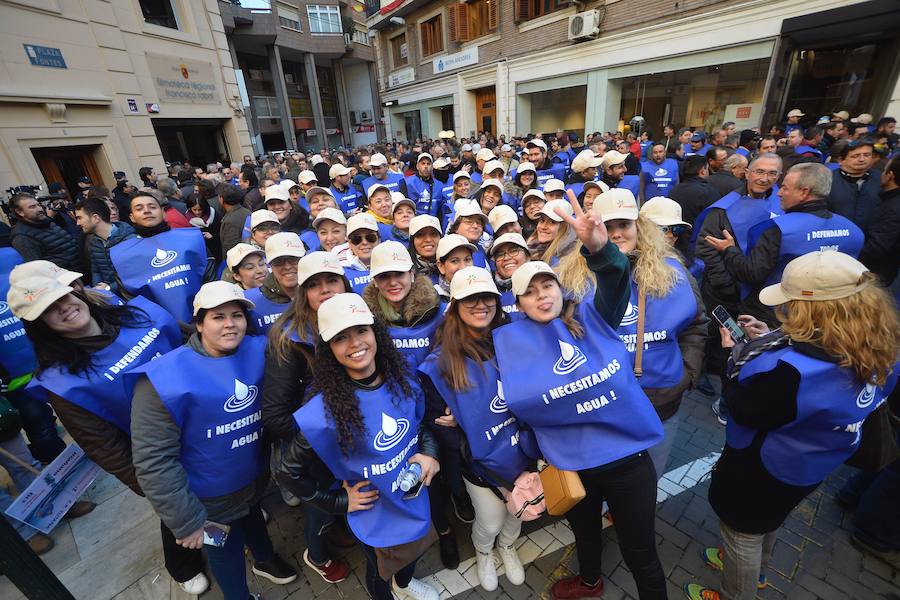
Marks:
<point>514,67</point>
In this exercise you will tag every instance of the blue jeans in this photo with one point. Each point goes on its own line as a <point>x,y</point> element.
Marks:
<point>227,563</point>
<point>21,476</point>
<point>659,453</point>
<point>40,425</point>
<point>378,588</point>
<point>315,522</point>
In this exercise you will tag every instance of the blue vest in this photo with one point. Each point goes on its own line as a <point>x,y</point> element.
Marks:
<point>743,152</point>
<point>348,200</point>
<point>804,149</point>
<point>576,187</point>
<point>702,151</point>
<point>16,353</point>
<point>645,146</point>
<point>659,178</point>
<point>358,279</point>
<point>831,406</point>
<point>391,182</point>
<point>385,231</point>
<point>101,390</point>
<point>743,213</point>
<point>491,431</point>
<point>166,268</point>
<point>556,171</point>
<point>665,318</point>
<point>834,166</point>
<point>391,438</point>
<point>509,306</point>
<point>266,311</point>
<point>632,183</point>
<point>427,196</point>
<point>417,342</point>
<point>447,189</point>
<point>579,396</point>
<point>217,404</point>
<point>311,239</point>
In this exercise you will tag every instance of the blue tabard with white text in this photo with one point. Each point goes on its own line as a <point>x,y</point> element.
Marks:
<point>556,171</point>
<point>166,268</point>
<point>348,200</point>
<point>266,311</point>
<point>391,181</point>
<point>509,306</point>
<point>659,178</point>
<point>16,353</point>
<point>358,279</point>
<point>831,407</point>
<point>311,239</point>
<point>428,196</point>
<point>743,213</point>
<point>579,396</point>
<point>416,342</point>
<point>101,389</point>
<point>390,440</point>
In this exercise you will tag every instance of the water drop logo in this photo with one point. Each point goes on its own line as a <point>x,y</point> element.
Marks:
<point>392,431</point>
<point>571,357</point>
<point>163,257</point>
<point>3,307</point>
<point>660,172</point>
<point>243,397</point>
<point>498,404</point>
<point>866,395</point>
<point>631,315</point>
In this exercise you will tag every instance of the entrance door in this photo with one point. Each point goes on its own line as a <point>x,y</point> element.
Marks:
<point>66,164</point>
<point>486,109</point>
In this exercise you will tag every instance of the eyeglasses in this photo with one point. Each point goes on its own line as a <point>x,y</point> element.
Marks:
<point>764,173</point>
<point>470,221</point>
<point>488,300</point>
<point>675,230</point>
<point>395,164</point>
<point>372,238</point>
<point>511,252</point>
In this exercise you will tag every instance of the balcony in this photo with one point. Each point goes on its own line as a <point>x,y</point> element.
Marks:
<point>379,12</point>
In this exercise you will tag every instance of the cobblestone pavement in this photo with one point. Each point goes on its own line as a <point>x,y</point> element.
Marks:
<point>114,552</point>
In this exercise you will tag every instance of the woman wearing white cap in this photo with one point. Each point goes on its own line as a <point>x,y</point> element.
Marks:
<point>362,237</point>
<point>585,407</point>
<point>331,228</point>
<point>196,439</point>
<point>402,213</point>
<point>798,399</point>
<point>246,266</point>
<point>674,318</point>
<point>532,203</point>
<point>460,378</point>
<point>364,422</point>
<point>589,192</point>
<point>263,224</point>
<point>424,236</point>
<point>489,195</point>
<point>666,214</point>
<point>469,221</point>
<point>290,216</point>
<point>379,207</point>
<point>462,190</point>
<point>523,180</point>
<point>454,252</point>
<point>509,252</point>
<point>273,296</point>
<point>552,238</point>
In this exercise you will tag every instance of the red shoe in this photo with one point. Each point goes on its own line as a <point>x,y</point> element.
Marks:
<point>334,571</point>
<point>573,587</point>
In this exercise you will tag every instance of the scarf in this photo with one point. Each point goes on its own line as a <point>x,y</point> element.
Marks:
<point>380,219</point>
<point>741,354</point>
<point>391,314</point>
<point>151,231</point>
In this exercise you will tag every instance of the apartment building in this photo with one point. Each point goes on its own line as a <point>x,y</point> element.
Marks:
<point>518,66</point>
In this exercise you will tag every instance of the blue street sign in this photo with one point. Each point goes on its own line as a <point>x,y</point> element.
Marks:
<point>42,56</point>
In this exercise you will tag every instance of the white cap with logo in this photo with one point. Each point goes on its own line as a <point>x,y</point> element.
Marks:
<point>341,312</point>
<point>29,297</point>
<point>315,263</point>
<point>663,211</point>
<point>390,257</point>
<point>510,238</point>
<point>617,203</point>
<point>817,276</point>
<point>469,281</point>
<point>525,273</point>
<point>45,269</point>
<point>239,252</point>
<point>420,222</point>
<point>361,221</point>
<point>329,214</point>
<point>502,215</point>
<point>284,243</point>
<point>262,216</point>
<point>217,293</point>
<point>451,242</point>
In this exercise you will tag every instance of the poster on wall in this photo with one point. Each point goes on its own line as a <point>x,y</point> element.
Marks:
<point>745,116</point>
<point>183,80</point>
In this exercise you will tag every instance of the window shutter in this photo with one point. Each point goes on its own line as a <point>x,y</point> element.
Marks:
<point>493,14</point>
<point>522,10</point>
<point>453,22</point>
<point>463,24</point>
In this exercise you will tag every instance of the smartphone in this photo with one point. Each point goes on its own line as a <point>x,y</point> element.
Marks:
<point>215,534</point>
<point>413,493</point>
<point>727,321</point>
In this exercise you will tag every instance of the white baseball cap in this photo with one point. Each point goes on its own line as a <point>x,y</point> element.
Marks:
<point>423,156</point>
<point>501,215</point>
<point>465,207</point>
<point>843,115</point>
<point>525,166</point>
<point>485,154</point>
<point>817,276</point>
<point>378,160</point>
<point>496,183</point>
<point>288,184</point>
<point>796,112</point>
<point>510,238</point>
<point>493,165</point>
<point>600,185</point>
<point>239,252</point>
<point>316,159</point>
<point>451,242</point>
<point>420,222</point>
<point>663,211</point>
<point>390,257</point>
<point>612,157</point>
<point>337,170</point>
<point>524,274</point>
<point>461,174</point>
<point>441,163</point>
<point>536,142</point>
<point>284,243</point>
<point>361,221</point>
<point>307,177</point>
<point>44,269</point>
<point>341,312</point>
<point>469,281</point>
<point>329,214</point>
<point>399,200</point>
<point>277,192</point>
<point>375,187</point>
<point>549,209</point>
<point>585,160</point>
<point>315,263</point>
<point>536,193</point>
<point>863,119</point>
<point>554,185</point>
<point>262,216</point>
<point>617,203</point>
<point>217,293</point>
<point>29,297</point>
<point>311,192</point>
<point>466,148</point>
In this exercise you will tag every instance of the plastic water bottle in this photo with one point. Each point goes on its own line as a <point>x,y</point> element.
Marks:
<point>409,477</point>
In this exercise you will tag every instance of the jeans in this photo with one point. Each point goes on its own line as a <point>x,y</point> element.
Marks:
<point>227,563</point>
<point>492,521</point>
<point>877,518</point>
<point>744,556</point>
<point>21,476</point>
<point>659,453</point>
<point>39,423</point>
<point>378,588</point>
<point>181,563</point>
<point>315,522</point>
<point>630,490</point>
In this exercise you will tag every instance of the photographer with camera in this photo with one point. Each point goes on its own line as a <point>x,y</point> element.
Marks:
<point>36,236</point>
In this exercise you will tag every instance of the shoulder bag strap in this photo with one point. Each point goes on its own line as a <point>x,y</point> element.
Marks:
<point>639,340</point>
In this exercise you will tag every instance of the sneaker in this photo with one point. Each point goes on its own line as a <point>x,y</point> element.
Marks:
<point>79,509</point>
<point>695,591</point>
<point>487,571</point>
<point>416,589</point>
<point>449,551</point>
<point>515,572</point>
<point>196,585</point>
<point>721,411</point>
<point>40,543</point>
<point>462,506</point>
<point>289,498</point>
<point>713,556</point>
<point>275,570</point>
<point>333,571</point>
<point>574,587</point>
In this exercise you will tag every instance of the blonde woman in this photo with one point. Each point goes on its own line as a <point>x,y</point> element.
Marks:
<point>798,397</point>
<point>552,238</point>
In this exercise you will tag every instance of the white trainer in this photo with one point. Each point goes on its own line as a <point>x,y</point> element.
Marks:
<point>416,590</point>
<point>487,570</point>
<point>515,572</point>
<point>196,585</point>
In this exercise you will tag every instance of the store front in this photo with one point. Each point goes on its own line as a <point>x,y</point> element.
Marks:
<point>198,141</point>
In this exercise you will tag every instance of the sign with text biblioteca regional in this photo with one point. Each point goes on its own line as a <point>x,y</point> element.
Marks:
<point>467,57</point>
<point>183,80</point>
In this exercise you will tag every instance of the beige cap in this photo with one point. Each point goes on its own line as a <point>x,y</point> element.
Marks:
<point>863,119</point>
<point>390,257</point>
<point>663,211</point>
<point>420,222</point>
<point>534,193</point>
<point>600,185</point>
<point>613,157</point>
<point>796,112</point>
<point>554,185</point>
<point>423,156</point>
<point>617,203</point>
<point>525,273</point>
<point>536,142</point>
<point>316,159</point>
<point>341,312</point>
<point>493,165</point>
<point>307,177</point>
<point>525,166</point>
<point>464,207</point>
<point>378,160</point>
<point>843,115</point>
<point>288,184</point>
<point>501,215</point>
<point>337,170</point>
<point>451,242</point>
<point>361,221</point>
<point>493,183</point>
<point>817,276</point>
<point>217,293</point>
<point>285,243</point>
<point>510,238</point>
<point>400,200</point>
<point>442,163</point>
<point>329,214</point>
<point>550,207</point>
<point>45,269</point>
<point>277,192</point>
<point>585,160</point>
<point>311,192</point>
<point>239,252</point>
<point>29,297</point>
<point>315,263</point>
<point>485,154</point>
<point>262,216</point>
<point>461,174</point>
<point>469,281</point>
<point>375,187</point>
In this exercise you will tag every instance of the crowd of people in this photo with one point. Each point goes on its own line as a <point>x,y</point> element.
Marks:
<point>404,332</point>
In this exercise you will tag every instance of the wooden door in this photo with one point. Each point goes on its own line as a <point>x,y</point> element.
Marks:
<point>66,164</point>
<point>486,109</point>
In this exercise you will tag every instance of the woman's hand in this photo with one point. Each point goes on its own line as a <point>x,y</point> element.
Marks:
<point>752,326</point>
<point>358,499</point>
<point>727,341</point>
<point>589,228</point>
<point>193,541</point>
<point>430,466</point>
<point>207,235</point>
<point>448,420</point>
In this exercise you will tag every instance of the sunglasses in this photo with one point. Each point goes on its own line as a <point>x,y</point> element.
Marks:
<point>472,301</point>
<point>395,164</point>
<point>675,230</point>
<point>372,238</point>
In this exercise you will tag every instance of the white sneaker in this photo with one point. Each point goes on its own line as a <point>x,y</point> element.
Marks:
<point>416,590</point>
<point>515,572</point>
<point>487,570</point>
<point>196,585</point>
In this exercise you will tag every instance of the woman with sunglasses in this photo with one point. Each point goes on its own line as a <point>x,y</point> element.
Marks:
<point>675,321</point>
<point>356,256</point>
<point>396,166</point>
<point>454,252</point>
<point>364,421</point>
<point>666,214</point>
<point>469,221</point>
<point>566,374</point>
<point>274,295</point>
<point>509,252</point>
<point>424,236</point>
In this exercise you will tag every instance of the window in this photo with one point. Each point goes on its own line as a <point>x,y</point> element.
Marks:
<point>159,12</point>
<point>431,33</point>
<point>266,107</point>
<point>473,19</point>
<point>289,18</point>
<point>399,50</point>
<point>324,19</point>
<point>532,9</point>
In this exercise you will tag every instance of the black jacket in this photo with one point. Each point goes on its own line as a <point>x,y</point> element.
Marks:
<point>881,252</point>
<point>47,241</point>
<point>102,269</point>
<point>284,389</point>
<point>724,182</point>
<point>693,194</point>
<point>253,199</point>
<point>231,227</point>
<point>857,198</point>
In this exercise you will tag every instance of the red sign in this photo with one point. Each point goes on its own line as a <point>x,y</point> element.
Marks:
<point>365,129</point>
<point>390,6</point>
<point>743,112</point>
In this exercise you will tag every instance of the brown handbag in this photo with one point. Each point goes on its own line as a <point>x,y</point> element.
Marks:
<point>393,558</point>
<point>562,490</point>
